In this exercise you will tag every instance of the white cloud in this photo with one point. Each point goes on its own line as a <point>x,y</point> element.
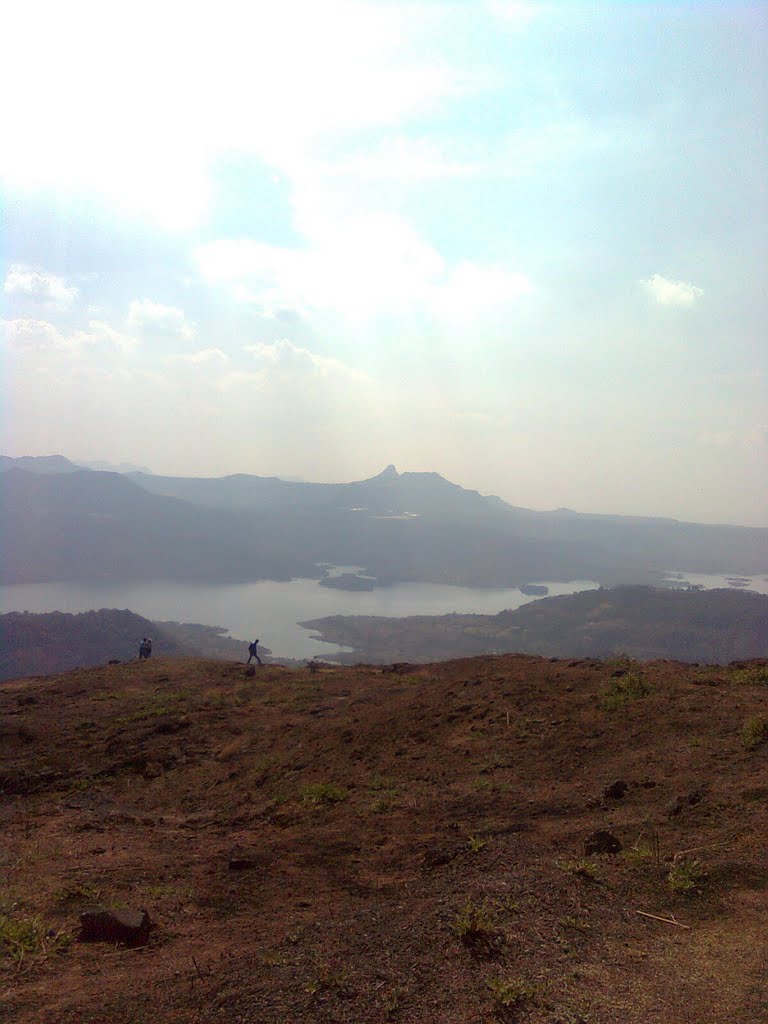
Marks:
<point>206,358</point>
<point>155,318</point>
<point>401,159</point>
<point>39,286</point>
<point>284,358</point>
<point>33,335</point>
<point>278,79</point>
<point>358,268</point>
<point>27,335</point>
<point>100,333</point>
<point>671,293</point>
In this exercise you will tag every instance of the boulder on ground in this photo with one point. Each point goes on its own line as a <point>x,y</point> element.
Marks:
<point>616,790</point>
<point>127,926</point>
<point>602,841</point>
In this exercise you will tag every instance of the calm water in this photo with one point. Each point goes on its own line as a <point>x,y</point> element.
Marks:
<point>266,609</point>
<point>271,611</point>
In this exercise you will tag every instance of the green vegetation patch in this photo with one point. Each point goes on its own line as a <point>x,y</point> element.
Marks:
<point>323,793</point>
<point>24,939</point>
<point>754,732</point>
<point>625,690</point>
<point>477,928</point>
<point>686,877</point>
<point>755,675</point>
<point>510,993</point>
<point>165,703</point>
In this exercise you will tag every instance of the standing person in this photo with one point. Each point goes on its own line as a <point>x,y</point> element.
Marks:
<point>145,648</point>
<point>253,652</point>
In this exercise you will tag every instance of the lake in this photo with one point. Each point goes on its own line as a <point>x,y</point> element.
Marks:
<point>271,611</point>
<point>266,609</point>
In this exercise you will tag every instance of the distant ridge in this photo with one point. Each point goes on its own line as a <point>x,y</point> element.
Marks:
<point>38,464</point>
<point>60,522</point>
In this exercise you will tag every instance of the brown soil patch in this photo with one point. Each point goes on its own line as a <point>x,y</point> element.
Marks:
<point>354,845</point>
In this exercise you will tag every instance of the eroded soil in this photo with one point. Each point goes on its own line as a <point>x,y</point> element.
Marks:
<point>357,845</point>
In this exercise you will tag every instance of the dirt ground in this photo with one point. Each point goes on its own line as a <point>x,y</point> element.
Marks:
<point>364,845</point>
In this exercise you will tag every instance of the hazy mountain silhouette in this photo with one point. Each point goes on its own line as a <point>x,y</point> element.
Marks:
<point>39,464</point>
<point>82,524</point>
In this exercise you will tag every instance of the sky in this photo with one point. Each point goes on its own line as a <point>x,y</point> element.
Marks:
<point>524,245</point>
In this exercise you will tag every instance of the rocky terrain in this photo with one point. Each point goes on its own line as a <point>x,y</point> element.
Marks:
<point>407,843</point>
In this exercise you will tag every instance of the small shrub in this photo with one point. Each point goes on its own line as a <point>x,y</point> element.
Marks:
<point>754,732</point>
<point>476,843</point>
<point>755,675</point>
<point>686,877</point>
<point>510,993</point>
<point>476,927</point>
<point>319,793</point>
<point>621,661</point>
<point>624,690</point>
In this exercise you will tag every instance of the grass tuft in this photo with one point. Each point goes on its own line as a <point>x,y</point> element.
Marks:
<point>323,793</point>
<point>754,732</point>
<point>477,928</point>
<point>686,877</point>
<point>625,690</point>
<point>510,994</point>
<point>27,939</point>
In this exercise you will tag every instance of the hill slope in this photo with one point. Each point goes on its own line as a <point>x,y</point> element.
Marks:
<point>363,847</point>
<point>41,644</point>
<point>708,626</point>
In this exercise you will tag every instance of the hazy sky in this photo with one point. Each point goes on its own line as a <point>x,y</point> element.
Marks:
<point>521,244</point>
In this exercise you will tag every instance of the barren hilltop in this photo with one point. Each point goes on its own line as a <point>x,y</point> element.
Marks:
<point>408,843</point>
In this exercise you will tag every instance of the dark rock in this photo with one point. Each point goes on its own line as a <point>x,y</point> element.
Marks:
<point>616,790</point>
<point>648,784</point>
<point>250,671</point>
<point>172,725</point>
<point>437,856</point>
<point>130,927</point>
<point>245,862</point>
<point>113,661</point>
<point>602,841</point>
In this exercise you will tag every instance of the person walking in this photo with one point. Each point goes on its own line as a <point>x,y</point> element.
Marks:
<point>253,652</point>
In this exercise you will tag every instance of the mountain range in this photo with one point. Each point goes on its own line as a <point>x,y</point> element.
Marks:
<point>62,522</point>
